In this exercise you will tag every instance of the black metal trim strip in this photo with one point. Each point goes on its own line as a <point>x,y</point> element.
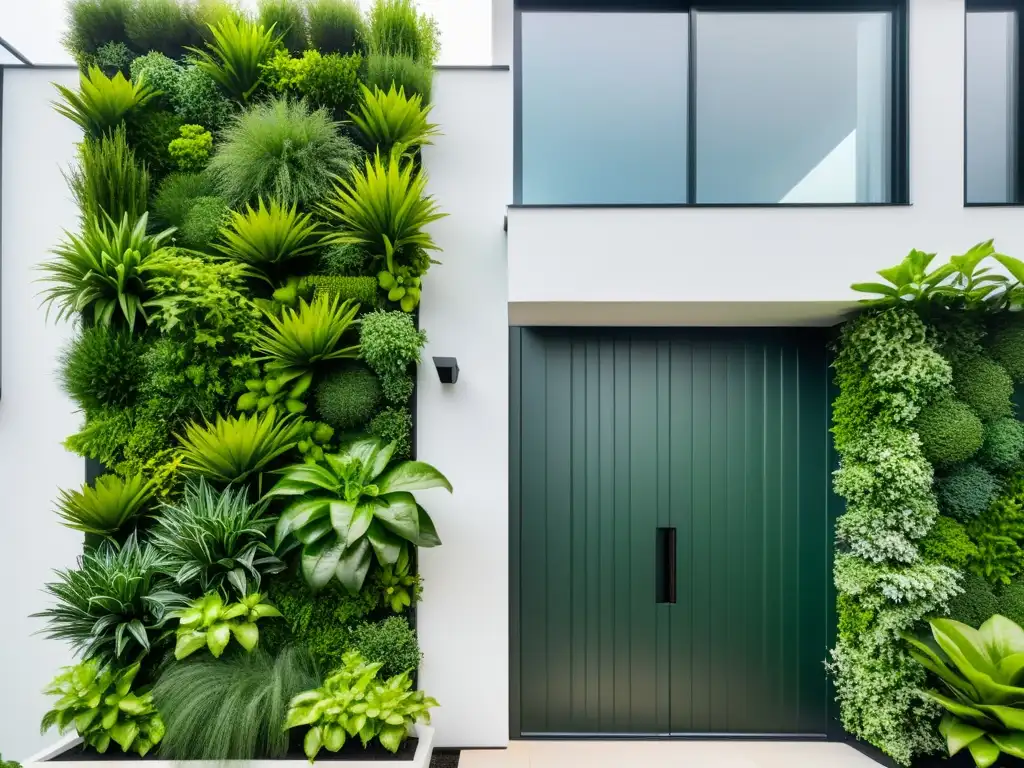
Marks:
<point>473,67</point>
<point>15,53</point>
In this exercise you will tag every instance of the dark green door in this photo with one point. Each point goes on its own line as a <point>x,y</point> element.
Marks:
<point>623,439</point>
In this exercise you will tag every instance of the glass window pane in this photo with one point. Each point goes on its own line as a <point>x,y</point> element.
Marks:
<point>793,107</point>
<point>603,107</point>
<point>991,106</point>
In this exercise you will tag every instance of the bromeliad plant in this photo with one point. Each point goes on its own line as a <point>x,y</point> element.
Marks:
<point>229,450</point>
<point>358,503</point>
<point>212,540</point>
<point>209,623</point>
<point>100,704</point>
<point>114,606</point>
<point>107,506</point>
<point>267,237</point>
<point>353,702</point>
<point>102,102</point>
<point>982,671</point>
<point>236,55</point>
<point>103,270</point>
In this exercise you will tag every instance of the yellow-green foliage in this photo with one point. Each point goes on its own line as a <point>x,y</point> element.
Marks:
<point>998,533</point>
<point>192,148</point>
<point>947,543</point>
<point>362,290</point>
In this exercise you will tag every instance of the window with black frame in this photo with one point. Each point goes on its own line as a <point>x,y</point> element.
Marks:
<point>993,171</point>
<point>710,103</point>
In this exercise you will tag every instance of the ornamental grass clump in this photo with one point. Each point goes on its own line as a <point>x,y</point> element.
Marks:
<point>109,180</point>
<point>336,26</point>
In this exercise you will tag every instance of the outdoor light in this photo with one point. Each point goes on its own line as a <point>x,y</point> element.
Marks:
<point>447,369</point>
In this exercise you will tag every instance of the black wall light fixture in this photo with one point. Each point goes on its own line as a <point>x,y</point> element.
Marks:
<point>447,369</point>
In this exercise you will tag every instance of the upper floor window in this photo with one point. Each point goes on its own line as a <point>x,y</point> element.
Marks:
<point>993,170</point>
<point>678,105</point>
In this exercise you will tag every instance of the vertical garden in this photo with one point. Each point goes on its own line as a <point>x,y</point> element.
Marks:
<point>244,280</point>
<point>932,470</point>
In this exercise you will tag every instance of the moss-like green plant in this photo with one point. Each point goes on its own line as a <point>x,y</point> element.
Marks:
<point>998,533</point>
<point>967,491</point>
<point>192,148</point>
<point>233,707</point>
<point>203,223</point>
<point>320,622</point>
<point>103,271</point>
<point>176,197</point>
<point>113,58</point>
<point>1007,349</point>
<point>1004,444</point>
<point>280,150</point>
<point>235,56</point>
<point>150,131</point>
<point>362,290</point>
<point>948,543</point>
<point>384,70</point>
<point>976,603</point>
<point>400,587</point>
<point>950,432</point>
<point>345,261</point>
<point>394,425</point>
<point>985,386</point>
<point>102,367</point>
<point>106,507</point>
<point>160,73</point>
<point>199,100</point>
<point>331,81</point>
<point>347,398</point>
<point>109,180</point>
<point>102,102</point>
<point>391,643</point>
<point>336,26</point>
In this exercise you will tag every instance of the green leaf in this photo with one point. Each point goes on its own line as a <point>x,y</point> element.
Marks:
<point>353,566</point>
<point>412,476</point>
<point>1014,266</point>
<point>334,737</point>
<point>188,644</point>
<point>247,635</point>
<point>341,517</point>
<point>320,561</point>
<point>984,752</point>
<point>399,513</point>
<point>391,737</point>
<point>217,638</point>
<point>958,734</point>
<point>124,734</point>
<point>312,743</point>
<point>957,708</point>
<point>387,546</point>
<point>428,533</point>
<point>361,520</point>
<point>885,290</point>
<point>1010,743</point>
<point>298,515</point>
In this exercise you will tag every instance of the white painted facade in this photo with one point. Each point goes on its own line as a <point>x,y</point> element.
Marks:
<point>577,266</point>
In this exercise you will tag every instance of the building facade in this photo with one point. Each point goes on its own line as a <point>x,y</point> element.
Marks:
<point>655,215</point>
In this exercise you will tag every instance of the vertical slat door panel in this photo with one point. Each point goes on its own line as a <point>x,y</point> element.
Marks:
<point>720,434</point>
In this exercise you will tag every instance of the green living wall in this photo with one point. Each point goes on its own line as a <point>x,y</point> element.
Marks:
<point>932,471</point>
<point>244,280</point>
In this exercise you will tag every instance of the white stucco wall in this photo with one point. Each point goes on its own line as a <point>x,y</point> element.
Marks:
<point>707,265</point>
<point>463,428</point>
<point>35,415</point>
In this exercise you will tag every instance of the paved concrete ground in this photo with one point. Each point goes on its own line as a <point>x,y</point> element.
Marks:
<point>667,754</point>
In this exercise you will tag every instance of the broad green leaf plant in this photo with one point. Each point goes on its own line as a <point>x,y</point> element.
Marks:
<point>353,702</point>
<point>982,672</point>
<point>961,283</point>
<point>355,505</point>
<point>209,623</point>
<point>98,701</point>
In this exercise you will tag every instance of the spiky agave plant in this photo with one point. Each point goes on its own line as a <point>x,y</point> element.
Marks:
<point>102,102</point>
<point>391,119</point>
<point>235,55</point>
<point>228,450</point>
<point>384,207</point>
<point>107,506</point>
<point>211,540</point>
<point>264,237</point>
<point>293,343</point>
<point>103,270</point>
<point>114,606</point>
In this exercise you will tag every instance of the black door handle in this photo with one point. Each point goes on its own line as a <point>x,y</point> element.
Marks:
<point>665,565</point>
